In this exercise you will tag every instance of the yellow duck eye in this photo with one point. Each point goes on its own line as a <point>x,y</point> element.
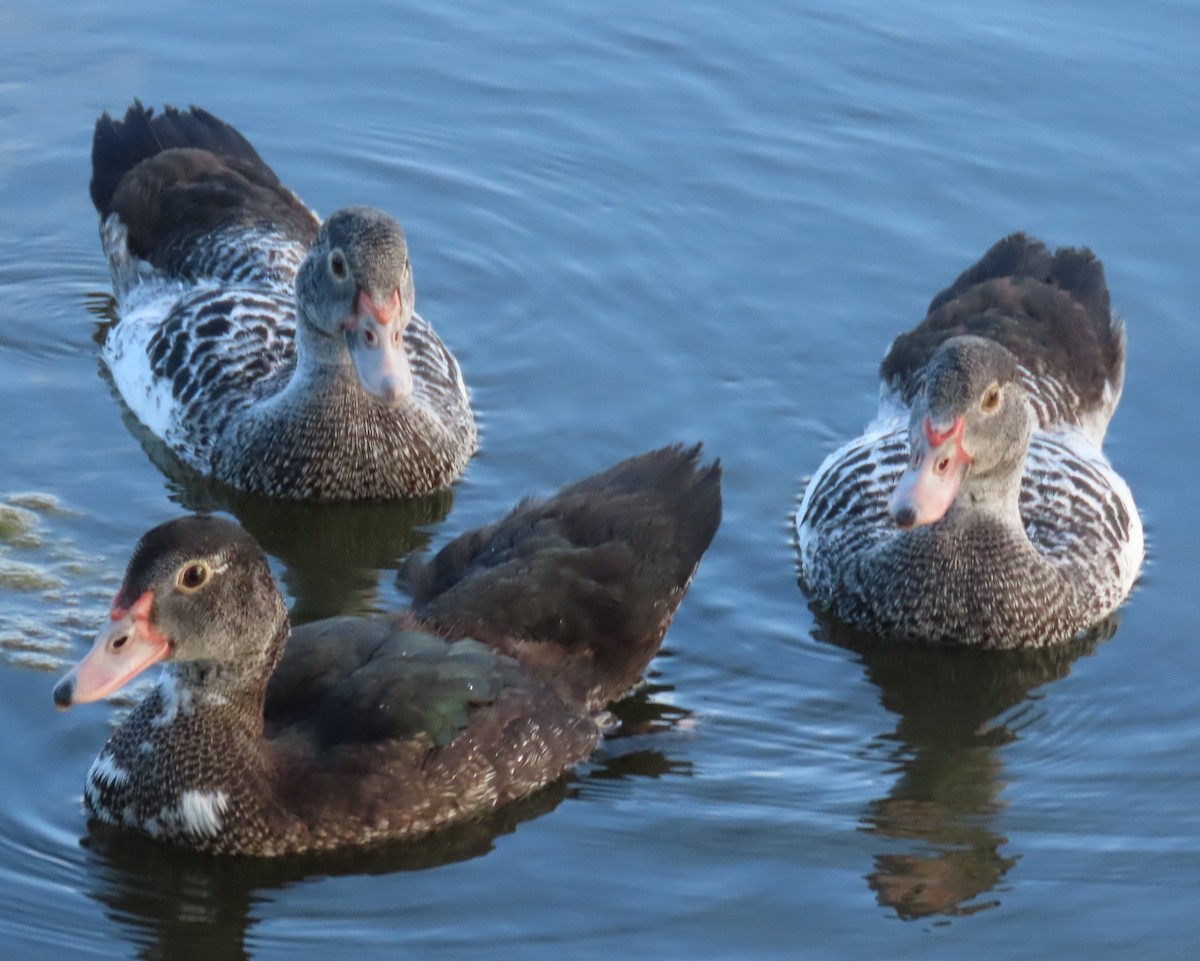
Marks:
<point>193,576</point>
<point>991,400</point>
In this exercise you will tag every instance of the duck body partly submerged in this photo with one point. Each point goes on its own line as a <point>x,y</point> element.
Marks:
<point>266,741</point>
<point>268,350</point>
<point>978,508</point>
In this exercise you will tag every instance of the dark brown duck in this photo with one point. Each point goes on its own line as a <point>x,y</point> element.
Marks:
<point>266,741</point>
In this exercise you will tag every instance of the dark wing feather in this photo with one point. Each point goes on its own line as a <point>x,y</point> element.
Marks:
<point>180,175</point>
<point>595,572</point>
<point>1052,311</point>
<point>362,680</point>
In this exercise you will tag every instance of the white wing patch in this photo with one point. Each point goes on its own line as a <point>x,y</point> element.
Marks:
<point>1070,493</point>
<point>848,494</point>
<point>198,813</point>
<point>126,354</point>
<point>188,353</point>
<point>105,772</point>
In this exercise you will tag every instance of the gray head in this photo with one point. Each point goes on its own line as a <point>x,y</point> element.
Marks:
<point>969,429</point>
<point>355,292</point>
<point>196,589</point>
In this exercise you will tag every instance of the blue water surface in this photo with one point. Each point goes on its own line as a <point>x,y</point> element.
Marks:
<point>636,223</point>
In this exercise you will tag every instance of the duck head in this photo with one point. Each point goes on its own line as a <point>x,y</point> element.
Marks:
<point>197,589</point>
<point>354,292</point>
<point>968,433</point>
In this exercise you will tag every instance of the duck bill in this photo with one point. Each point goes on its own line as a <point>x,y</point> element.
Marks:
<point>928,487</point>
<point>376,341</point>
<point>120,653</point>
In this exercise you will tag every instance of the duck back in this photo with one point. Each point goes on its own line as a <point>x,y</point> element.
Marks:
<point>1051,310</point>
<point>589,580</point>
<point>178,181</point>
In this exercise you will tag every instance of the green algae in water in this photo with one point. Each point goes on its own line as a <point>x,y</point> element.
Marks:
<point>85,567</point>
<point>51,592</point>
<point>55,644</point>
<point>37,662</point>
<point>41,503</point>
<point>18,526</point>
<point>18,576</point>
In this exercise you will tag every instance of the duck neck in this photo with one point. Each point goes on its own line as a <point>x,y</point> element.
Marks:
<point>996,496</point>
<point>323,364</point>
<point>233,691</point>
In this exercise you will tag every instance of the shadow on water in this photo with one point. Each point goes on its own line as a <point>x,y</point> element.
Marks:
<point>332,553</point>
<point>632,749</point>
<point>955,708</point>
<point>179,905</point>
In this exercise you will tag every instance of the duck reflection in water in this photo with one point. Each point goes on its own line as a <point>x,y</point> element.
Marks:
<point>956,708</point>
<point>178,905</point>
<point>333,555</point>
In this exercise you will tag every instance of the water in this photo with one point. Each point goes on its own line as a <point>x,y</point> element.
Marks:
<point>636,224</point>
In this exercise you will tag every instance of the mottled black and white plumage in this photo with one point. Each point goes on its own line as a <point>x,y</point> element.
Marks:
<point>268,350</point>
<point>978,507</point>
<point>364,729</point>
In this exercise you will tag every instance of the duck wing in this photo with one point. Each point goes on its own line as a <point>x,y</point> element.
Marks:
<point>581,586</point>
<point>356,680</point>
<point>182,184</point>
<point>203,243</point>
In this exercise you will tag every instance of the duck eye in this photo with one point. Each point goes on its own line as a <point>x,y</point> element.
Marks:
<point>193,576</point>
<point>991,400</point>
<point>337,264</point>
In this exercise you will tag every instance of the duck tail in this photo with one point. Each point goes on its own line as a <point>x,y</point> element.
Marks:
<point>1051,310</point>
<point>582,586</point>
<point>120,145</point>
<point>1075,271</point>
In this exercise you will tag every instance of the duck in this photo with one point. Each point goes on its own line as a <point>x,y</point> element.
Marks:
<point>978,508</point>
<point>260,739</point>
<point>270,350</point>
